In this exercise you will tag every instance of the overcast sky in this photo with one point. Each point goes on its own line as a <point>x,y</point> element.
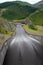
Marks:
<point>30,1</point>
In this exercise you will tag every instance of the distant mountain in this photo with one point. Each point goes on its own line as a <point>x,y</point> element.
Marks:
<point>6,4</point>
<point>16,10</point>
<point>39,4</point>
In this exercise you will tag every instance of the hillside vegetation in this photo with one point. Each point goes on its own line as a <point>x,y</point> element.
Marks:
<point>37,17</point>
<point>6,4</point>
<point>6,27</point>
<point>2,28</point>
<point>16,10</point>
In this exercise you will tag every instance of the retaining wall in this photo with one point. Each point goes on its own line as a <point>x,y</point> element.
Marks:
<point>3,50</point>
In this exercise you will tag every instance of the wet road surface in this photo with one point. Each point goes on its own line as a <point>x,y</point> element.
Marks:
<point>24,50</point>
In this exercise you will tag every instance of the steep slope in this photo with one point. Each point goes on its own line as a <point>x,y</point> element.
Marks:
<point>37,17</point>
<point>16,10</point>
<point>2,27</point>
<point>6,27</point>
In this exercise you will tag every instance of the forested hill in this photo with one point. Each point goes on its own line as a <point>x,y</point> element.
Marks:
<point>16,10</point>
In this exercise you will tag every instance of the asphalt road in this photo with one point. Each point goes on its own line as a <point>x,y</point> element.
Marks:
<point>24,50</point>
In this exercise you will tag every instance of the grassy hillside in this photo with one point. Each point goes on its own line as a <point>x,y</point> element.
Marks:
<point>6,27</point>
<point>16,10</point>
<point>37,17</point>
<point>2,28</point>
<point>34,32</point>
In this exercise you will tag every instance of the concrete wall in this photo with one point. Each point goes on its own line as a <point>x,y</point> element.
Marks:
<point>3,51</point>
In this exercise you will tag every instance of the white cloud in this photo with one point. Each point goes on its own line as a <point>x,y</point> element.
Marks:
<point>30,1</point>
<point>1,1</point>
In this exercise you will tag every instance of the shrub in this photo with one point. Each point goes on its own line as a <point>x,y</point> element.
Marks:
<point>32,27</point>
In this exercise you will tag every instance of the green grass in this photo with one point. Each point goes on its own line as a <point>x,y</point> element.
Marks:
<point>37,17</point>
<point>31,31</point>
<point>3,29</point>
<point>32,27</point>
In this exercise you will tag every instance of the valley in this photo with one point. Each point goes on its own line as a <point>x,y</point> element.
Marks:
<point>31,16</point>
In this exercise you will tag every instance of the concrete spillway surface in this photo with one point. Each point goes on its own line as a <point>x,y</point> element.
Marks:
<point>24,50</point>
